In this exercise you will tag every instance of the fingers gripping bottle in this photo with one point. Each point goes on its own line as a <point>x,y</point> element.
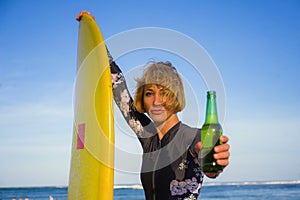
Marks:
<point>210,135</point>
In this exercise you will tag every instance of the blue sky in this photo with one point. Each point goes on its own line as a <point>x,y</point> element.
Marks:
<point>254,44</point>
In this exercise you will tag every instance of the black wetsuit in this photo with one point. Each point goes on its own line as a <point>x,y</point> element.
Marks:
<point>170,168</point>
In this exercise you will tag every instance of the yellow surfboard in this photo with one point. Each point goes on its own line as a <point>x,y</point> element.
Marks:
<point>92,163</point>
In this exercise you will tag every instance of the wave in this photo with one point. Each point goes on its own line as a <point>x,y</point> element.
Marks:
<point>139,187</point>
<point>251,183</point>
<point>135,187</point>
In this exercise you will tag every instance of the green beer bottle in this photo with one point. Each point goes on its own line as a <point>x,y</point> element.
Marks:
<point>210,134</point>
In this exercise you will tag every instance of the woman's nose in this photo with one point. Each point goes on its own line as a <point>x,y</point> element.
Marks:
<point>157,99</point>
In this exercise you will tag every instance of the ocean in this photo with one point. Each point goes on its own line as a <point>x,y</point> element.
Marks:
<point>234,190</point>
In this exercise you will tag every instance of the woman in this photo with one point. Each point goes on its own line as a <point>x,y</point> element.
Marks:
<point>170,168</point>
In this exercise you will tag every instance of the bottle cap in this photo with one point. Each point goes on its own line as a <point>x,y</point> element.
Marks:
<point>211,93</point>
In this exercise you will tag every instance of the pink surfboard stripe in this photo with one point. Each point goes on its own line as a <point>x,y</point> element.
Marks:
<point>80,136</point>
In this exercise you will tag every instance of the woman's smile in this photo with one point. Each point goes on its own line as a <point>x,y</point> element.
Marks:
<point>157,110</point>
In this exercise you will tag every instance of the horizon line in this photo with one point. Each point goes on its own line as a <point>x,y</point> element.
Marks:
<point>209,183</point>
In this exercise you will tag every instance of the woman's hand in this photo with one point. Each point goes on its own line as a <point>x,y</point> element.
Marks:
<point>222,152</point>
<point>221,155</point>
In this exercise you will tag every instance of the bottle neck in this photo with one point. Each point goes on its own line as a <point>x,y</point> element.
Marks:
<point>211,109</point>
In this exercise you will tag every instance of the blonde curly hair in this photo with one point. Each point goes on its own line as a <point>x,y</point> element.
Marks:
<point>165,75</point>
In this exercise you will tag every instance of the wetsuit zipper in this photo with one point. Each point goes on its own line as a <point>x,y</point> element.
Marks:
<point>154,169</point>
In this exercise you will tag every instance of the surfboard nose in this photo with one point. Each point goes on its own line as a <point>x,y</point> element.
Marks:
<point>84,12</point>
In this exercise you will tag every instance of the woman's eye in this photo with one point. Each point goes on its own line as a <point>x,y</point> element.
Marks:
<point>148,94</point>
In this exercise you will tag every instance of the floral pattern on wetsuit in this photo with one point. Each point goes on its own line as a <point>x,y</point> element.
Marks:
<point>197,170</point>
<point>124,103</point>
<point>191,197</point>
<point>182,187</point>
<point>136,126</point>
<point>183,165</point>
<point>117,79</point>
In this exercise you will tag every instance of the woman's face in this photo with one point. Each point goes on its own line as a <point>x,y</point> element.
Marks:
<point>155,103</point>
